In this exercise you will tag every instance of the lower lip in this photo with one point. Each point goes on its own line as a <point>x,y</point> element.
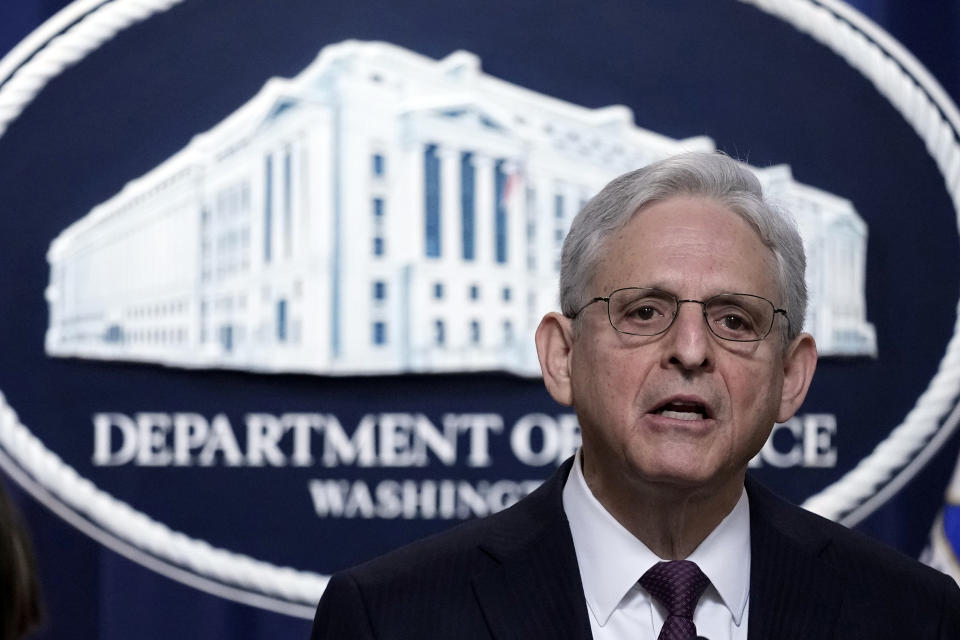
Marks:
<point>666,422</point>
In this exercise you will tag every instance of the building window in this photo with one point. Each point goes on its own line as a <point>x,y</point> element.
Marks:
<point>507,294</point>
<point>558,206</point>
<point>379,290</point>
<point>379,164</point>
<point>431,171</point>
<point>226,337</point>
<point>114,334</point>
<point>379,336</point>
<point>475,332</point>
<point>281,321</point>
<point>507,332</point>
<point>467,205</point>
<point>500,212</point>
<point>439,333</point>
<point>267,208</point>
<point>287,202</point>
<point>378,208</point>
<point>474,292</point>
<point>438,290</point>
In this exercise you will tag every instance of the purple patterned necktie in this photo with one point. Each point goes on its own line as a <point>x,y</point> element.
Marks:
<point>677,585</point>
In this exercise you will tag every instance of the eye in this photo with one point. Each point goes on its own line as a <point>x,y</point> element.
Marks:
<point>736,317</point>
<point>735,322</point>
<point>644,313</point>
<point>646,309</point>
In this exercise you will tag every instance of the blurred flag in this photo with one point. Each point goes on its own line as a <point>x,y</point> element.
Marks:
<point>510,199</point>
<point>944,549</point>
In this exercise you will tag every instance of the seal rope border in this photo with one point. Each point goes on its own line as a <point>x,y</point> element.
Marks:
<point>82,26</point>
<point>926,107</point>
<point>196,554</point>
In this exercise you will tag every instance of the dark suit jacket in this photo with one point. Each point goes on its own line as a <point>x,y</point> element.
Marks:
<point>515,575</point>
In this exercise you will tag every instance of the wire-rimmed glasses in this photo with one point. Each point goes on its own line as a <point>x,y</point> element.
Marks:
<point>737,317</point>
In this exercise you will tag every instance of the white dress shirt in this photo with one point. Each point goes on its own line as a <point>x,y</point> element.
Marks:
<point>611,561</point>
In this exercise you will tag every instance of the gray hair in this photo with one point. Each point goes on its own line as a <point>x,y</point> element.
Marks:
<point>709,175</point>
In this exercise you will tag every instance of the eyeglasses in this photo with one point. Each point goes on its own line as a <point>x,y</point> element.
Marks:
<point>738,317</point>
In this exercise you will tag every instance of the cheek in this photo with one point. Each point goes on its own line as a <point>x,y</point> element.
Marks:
<point>606,387</point>
<point>755,398</point>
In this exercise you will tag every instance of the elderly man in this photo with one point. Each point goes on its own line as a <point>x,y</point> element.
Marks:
<point>679,346</point>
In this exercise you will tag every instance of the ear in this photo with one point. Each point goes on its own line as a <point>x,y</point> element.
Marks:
<point>799,363</point>
<point>554,340</point>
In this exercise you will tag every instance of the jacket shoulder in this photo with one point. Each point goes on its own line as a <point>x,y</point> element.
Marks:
<point>475,544</point>
<point>430,581</point>
<point>879,586</point>
<point>846,549</point>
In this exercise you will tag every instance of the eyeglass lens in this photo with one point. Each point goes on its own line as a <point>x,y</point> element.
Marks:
<point>732,316</point>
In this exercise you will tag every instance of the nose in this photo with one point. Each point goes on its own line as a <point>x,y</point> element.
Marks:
<point>688,341</point>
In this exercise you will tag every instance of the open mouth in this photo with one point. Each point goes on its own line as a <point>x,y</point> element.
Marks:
<point>682,410</point>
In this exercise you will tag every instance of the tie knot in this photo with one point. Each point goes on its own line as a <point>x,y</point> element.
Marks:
<point>677,585</point>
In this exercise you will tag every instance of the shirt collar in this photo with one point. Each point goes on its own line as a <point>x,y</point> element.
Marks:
<point>724,556</point>
<point>611,559</point>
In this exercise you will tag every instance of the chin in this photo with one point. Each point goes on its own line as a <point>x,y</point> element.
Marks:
<point>685,480</point>
<point>681,476</point>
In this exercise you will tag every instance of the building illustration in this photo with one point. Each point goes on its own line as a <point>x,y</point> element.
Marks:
<point>382,212</point>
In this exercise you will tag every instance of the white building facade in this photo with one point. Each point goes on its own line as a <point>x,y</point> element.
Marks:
<point>382,212</point>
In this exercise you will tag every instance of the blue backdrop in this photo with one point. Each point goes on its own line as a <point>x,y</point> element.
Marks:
<point>91,592</point>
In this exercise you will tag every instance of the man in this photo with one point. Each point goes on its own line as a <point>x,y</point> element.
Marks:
<point>679,346</point>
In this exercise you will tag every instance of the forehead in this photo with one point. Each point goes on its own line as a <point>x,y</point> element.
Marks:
<point>691,246</point>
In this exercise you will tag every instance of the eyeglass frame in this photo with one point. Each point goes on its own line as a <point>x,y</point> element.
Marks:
<point>676,312</point>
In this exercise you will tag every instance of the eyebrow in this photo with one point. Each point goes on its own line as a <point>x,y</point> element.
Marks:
<point>704,296</point>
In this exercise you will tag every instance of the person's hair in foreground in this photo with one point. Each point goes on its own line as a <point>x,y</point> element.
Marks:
<point>20,606</point>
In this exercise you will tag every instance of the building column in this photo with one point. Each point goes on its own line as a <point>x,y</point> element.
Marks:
<point>485,209</point>
<point>450,224</point>
<point>413,192</point>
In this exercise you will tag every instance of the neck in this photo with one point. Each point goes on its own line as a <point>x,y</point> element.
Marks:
<point>671,520</point>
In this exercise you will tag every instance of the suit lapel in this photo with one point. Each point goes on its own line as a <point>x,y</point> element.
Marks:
<point>534,591</point>
<point>794,594</point>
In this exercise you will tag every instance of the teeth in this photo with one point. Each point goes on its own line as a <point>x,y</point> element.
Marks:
<point>681,415</point>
